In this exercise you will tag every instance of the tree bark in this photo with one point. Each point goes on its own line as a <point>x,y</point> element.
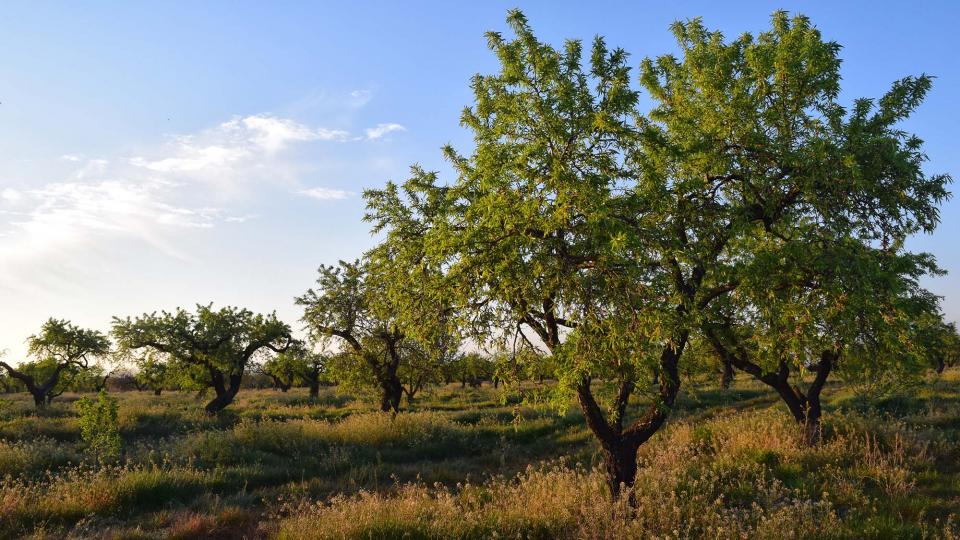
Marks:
<point>391,394</point>
<point>804,406</point>
<point>225,388</point>
<point>156,391</point>
<point>619,445</point>
<point>726,379</point>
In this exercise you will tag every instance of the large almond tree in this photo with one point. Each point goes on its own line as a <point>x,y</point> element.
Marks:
<point>818,199</point>
<point>607,237</point>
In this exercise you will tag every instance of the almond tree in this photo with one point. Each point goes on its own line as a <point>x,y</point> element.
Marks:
<point>817,198</point>
<point>342,308</point>
<point>60,348</point>
<point>212,347</point>
<point>610,237</point>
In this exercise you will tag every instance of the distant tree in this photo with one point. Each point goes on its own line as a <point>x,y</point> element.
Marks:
<point>940,342</point>
<point>472,369</point>
<point>350,305</point>
<point>62,351</point>
<point>211,348</point>
<point>313,370</point>
<point>285,368</point>
<point>153,372</point>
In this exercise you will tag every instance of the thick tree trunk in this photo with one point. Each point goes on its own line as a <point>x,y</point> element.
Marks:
<point>620,446</point>
<point>391,394</point>
<point>620,464</point>
<point>39,398</point>
<point>156,391</point>
<point>225,392</point>
<point>314,389</point>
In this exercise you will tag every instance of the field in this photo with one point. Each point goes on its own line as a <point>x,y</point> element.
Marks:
<point>476,463</point>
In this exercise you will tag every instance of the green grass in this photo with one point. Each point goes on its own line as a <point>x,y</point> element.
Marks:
<point>475,463</point>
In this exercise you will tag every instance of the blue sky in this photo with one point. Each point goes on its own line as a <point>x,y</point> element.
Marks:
<point>161,155</point>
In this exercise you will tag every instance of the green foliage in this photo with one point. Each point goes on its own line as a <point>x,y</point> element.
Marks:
<point>209,348</point>
<point>67,344</point>
<point>352,308</point>
<point>99,426</point>
<point>63,353</point>
<point>153,372</point>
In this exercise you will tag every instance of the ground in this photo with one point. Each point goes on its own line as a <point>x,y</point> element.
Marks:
<point>475,463</point>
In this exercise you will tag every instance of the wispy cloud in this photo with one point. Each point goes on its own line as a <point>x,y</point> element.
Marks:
<point>359,98</point>
<point>380,130</point>
<point>325,194</point>
<point>233,143</point>
<point>189,182</point>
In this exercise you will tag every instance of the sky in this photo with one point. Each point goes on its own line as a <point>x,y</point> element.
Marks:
<point>155,155</point>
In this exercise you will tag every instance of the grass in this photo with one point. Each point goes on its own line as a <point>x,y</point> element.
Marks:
<point>471,464</point>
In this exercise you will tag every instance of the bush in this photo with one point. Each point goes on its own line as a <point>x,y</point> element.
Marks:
<point>100,426</point>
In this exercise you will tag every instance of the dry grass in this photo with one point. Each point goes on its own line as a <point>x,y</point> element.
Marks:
<point>728,465</point>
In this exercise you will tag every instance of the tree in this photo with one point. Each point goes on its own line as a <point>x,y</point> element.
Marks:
<point>611,236</point>
<point>819,199</point>
<point>547,230</point>
<point>342,307</point>
<point>940,342</point>
<point>153,372</point>
<point>211,347</point>
<point>285,368</point>
<point>313,370</point>
<point>62,349</point>
<point>856,314</point>
<point>358,304</point>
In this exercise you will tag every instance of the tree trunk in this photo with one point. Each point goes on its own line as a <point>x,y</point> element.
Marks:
<point>620,464</point>
<point>156,391</point>
<point>314,389</point>
<point>620,445</point>
<point>39,398</point>
<point>813,425</point>
<point>727,378</point>
<point>392,393</point>
<point>225,393</point>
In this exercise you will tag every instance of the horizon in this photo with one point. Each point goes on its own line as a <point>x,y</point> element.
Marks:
<point>217,153</point>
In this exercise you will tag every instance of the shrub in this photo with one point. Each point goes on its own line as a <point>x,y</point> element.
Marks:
<point>99,425</point>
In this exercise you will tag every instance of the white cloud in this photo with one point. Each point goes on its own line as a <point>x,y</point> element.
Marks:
<point>326,194</point>
<point>10,195</point>
<point>68,215</point>
<point>234,151</point>
<point>380,130</point>
<point>190,182</point>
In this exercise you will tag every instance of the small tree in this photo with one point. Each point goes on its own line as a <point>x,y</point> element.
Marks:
<point>313,370</point>
<point>152,372</point>
<point>211,347</point>
<point>62,350</point>
<point>285,368</point>
<point>344,307</point>
<point>940,342</point>
<point>99,425</point>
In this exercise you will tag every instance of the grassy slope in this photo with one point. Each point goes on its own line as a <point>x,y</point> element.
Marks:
<point>463,464</point>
